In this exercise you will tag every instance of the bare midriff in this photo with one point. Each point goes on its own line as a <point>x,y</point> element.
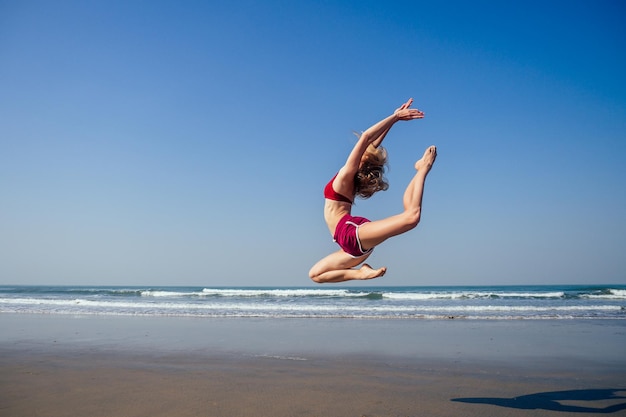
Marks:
<point>333,212</point>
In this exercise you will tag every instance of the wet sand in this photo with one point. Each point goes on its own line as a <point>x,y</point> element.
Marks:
<point>71,366</point>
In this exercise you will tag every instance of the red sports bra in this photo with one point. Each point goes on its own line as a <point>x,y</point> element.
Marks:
<point>331,194</point>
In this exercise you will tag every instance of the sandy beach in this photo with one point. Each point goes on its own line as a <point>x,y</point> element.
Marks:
<point>121,366</point>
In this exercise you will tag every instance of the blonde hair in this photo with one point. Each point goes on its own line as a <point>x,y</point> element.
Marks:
<point>369,178</point>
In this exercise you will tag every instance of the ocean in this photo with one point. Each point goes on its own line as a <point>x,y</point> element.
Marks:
<point>413,303</point>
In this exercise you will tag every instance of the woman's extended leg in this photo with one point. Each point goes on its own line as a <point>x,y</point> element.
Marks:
<point>376,232</point>
<point>337,267</point>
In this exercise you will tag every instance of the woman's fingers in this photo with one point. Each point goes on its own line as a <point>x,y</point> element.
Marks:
<point>405,113</point>
<point>406,105</point>
<point>408,114</point>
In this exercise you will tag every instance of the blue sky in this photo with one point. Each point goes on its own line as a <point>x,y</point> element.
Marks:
<point>188,143</point>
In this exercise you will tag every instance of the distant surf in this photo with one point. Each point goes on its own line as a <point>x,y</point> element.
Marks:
<point>493,302</point>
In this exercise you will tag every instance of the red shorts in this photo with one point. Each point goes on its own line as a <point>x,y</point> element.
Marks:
<point>347,235</point>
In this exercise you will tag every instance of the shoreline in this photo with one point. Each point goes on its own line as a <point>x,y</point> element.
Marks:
<point>470,340</point>
<point>103,366</point>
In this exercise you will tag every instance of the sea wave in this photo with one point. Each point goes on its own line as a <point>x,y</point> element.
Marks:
<point>155,293</point>
<point>293,307</point>
<point>296,292</point>
<point>610,294</point>
<point>372,293</point>
<point>248,293</point>
<point>469,295</point>
<point>323,302</point>
<point>59,291</point>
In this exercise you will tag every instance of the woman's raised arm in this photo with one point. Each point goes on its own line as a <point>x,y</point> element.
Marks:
<point>376,134</point>
<point>376,142</point>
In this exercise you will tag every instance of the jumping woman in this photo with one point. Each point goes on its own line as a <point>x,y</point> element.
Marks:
<point>362,175</point>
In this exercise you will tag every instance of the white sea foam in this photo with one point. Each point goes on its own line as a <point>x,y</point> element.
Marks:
<point>613,294</point>
<point>151,293</point>
<point>468,295</point>
<point>370,303</point>
<point>252,306</point>
<point>282,292</point>
<point>227,292</point>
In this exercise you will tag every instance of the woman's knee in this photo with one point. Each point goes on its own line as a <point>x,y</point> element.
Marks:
<point>314,274</point>
<point>315,278</point>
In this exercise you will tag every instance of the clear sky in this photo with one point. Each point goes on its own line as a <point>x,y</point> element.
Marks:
<point>188,142</point>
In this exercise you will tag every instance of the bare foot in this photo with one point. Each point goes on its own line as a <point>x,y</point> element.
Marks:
<point>367,272</point>
<point>427,161</point>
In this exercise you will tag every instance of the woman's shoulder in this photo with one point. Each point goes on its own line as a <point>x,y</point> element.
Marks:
<point>343,182</point>
<point>346,173</point>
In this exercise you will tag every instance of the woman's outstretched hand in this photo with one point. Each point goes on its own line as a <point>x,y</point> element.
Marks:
<point>404,112</point>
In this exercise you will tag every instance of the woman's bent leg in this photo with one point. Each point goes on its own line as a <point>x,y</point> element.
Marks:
<point>376,232</point>
<point>337,267</point>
